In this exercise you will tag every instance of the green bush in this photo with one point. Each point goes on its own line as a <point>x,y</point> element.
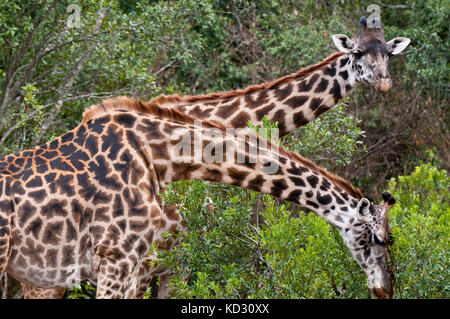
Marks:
<point>420,222</point>
<point>253,247</point>
<point>237,253</point>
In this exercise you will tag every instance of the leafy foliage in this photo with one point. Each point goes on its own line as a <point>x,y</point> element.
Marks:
<point>420,223</point>
<point>331,139</point>
<point>84,290</point>
<point>252,246</point>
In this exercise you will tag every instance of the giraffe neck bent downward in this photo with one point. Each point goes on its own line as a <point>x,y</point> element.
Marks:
<point>211,154</point>
<point>207,151</point>
<point>179,147</point>
<point>292,101</point>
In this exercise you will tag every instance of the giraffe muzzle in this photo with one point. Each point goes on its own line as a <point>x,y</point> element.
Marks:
<point>384,83</point>
<point>382,293</point>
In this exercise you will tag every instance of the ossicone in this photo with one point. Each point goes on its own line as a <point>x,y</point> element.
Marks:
<point>363,23</point>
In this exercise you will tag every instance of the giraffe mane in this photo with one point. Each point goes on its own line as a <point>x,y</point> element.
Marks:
<point>175,98</point>
<point>160,111</point>
<point>151,108</point>
<point>339,181</point>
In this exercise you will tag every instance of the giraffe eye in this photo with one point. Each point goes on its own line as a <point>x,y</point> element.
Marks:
<point>357,54</point>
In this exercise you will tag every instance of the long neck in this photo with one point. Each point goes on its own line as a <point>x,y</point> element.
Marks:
<point>190,152</point>
<point>292,101</point>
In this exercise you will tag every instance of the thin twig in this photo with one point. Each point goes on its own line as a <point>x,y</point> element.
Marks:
<point>394,6</point>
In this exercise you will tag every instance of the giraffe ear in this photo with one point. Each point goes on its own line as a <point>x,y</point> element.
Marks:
<point>343,43</point>
<point>397,45</point>
<point>363,207</point>
<point>388,198</point>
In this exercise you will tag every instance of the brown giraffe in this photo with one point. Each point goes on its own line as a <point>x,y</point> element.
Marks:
<point>296,99</point>
<point>86,207</point>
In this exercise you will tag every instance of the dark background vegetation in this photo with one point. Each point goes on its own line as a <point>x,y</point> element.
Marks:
<point>251,246</point>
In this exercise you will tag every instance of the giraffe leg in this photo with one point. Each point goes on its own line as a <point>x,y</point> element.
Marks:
<point>164,290</point>
<point>42,293</point>
<point>5,237</point>
<point>111,284</point>
<point>118,280</point>
<point>175,226</point>
<point>147,271</point>
<point>150,268</point>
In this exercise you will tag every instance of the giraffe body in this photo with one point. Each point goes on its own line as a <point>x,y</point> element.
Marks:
<point>296,99</point>
<point>71,214</point>
<point>85,206</point>
<point>30,292</point>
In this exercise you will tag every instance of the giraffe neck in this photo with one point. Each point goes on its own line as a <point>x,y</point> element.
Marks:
<point>211,154</point>
<point>176,147</point>
<point>292,101</point>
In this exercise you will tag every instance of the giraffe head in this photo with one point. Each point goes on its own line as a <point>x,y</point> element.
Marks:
<point>368,237</point>
<point>370,54</point>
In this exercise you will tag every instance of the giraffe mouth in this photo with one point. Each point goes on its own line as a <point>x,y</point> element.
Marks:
<point>384,85</point>
<point>382,293</point>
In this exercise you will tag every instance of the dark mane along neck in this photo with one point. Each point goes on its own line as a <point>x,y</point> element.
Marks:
<point>171,114</point>
<point>172,99</point>
<point>336,180</point>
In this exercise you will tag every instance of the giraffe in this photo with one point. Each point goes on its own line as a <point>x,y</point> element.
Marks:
<point>296,99</point>
<point>85,206</point>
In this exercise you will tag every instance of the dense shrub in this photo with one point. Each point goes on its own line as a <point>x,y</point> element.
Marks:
<point>420,222</point>
<point>253,247</point>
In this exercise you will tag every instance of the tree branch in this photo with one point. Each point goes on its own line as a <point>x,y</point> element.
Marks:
<point>394,6</point>
<point>67,85</point>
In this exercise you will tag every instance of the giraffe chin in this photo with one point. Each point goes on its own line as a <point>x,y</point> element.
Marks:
<point>381,293</point>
